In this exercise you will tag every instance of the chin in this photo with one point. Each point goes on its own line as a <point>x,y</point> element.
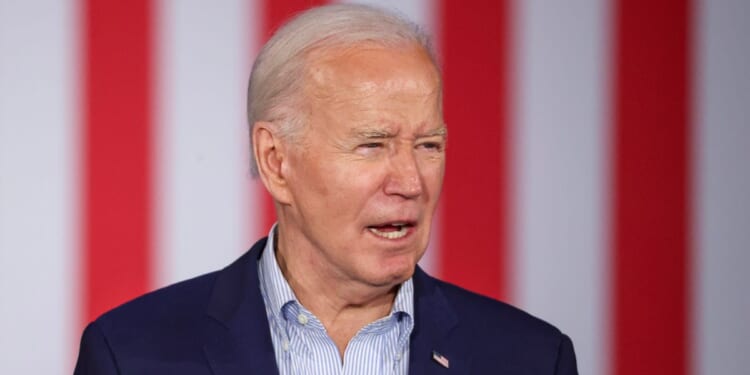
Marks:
<point>394,273</point>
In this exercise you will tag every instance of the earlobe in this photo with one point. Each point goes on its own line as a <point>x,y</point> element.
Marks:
<point>269,153</point>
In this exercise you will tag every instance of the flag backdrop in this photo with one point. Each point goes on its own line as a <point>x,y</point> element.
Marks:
<point>597,171</point>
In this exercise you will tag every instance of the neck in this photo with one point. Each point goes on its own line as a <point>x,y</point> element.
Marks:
<point>343,305</point>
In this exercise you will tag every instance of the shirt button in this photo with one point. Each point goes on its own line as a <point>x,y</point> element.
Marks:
<point>285,345</point>
<point>398,356</point>
<point>302,319</point>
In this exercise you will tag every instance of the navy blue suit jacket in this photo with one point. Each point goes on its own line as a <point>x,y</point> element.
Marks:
<point>216,324</point>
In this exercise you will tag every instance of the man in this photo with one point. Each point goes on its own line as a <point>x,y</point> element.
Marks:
<point>348,137</point>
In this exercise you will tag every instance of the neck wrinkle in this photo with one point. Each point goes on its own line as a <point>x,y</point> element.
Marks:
<point>328,299</point>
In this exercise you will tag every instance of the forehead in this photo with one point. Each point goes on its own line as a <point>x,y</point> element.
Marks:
<point>364,70</point>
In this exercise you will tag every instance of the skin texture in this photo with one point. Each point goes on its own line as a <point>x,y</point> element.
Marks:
<point>371,153</point>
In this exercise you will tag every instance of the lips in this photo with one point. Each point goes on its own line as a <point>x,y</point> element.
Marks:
<point>391,231</point>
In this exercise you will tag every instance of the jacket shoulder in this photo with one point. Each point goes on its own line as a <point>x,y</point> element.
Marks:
<point>154,331</point>
<point>175,310</point>
<point>167,315</point>
<point>167,330</point>
<point>501,338</point>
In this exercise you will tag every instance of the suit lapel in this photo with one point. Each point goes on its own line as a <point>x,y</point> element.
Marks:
<point>238,339</point>
<point>434,321</point>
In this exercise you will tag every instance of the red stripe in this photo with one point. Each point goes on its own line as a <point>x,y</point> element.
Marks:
<point>275,14</point>
<point>651,187</point>
<point>474,204</point>
<point>117,152</point>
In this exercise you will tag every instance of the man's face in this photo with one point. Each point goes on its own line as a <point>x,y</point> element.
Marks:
<point>364,181</point>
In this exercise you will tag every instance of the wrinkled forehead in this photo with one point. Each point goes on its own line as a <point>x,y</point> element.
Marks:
<point>366,69</point>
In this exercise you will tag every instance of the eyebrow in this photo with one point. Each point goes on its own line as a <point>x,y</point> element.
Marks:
<point>382,133</point>
<point>373,133</point>
<point>441,131</point>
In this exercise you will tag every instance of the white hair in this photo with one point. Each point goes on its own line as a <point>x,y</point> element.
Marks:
<point>278,72</point>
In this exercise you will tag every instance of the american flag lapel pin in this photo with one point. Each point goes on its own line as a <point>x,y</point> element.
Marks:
<point>441,359</point>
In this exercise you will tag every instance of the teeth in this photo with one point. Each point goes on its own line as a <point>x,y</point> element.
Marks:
<point>391,235</point>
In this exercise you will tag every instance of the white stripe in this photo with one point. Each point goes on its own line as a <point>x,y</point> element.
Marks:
<point>722,220</point>
<point>560,152</point>
<point>38,193</point>
<point>203,51</point>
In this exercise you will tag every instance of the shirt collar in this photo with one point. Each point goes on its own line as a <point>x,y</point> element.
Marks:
<point>274,286</point>
<point>278,293</point>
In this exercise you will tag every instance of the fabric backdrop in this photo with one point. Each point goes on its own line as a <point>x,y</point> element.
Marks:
<point>597,171</point>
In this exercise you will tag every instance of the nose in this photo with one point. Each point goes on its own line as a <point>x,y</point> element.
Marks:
<point>404,177</point>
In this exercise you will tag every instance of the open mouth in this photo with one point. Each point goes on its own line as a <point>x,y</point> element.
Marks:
<point>391,231</point>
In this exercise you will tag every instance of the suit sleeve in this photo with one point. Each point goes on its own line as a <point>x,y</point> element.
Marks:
<point>95,356</point>
<point>566,358</point>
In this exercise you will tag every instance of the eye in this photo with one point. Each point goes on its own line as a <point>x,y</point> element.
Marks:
<point>370,148</point>
<point>431,146</point>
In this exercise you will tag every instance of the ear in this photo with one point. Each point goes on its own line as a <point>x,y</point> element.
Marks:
<point>270,155</point>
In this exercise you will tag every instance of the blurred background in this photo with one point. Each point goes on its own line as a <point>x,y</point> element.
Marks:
<point>597,166</point>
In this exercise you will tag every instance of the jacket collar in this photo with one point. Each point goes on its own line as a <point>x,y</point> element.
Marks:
<point>238,338</point>
<point>435,322</point>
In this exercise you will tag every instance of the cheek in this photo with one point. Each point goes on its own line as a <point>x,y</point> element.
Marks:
<point>433,171</point>
<point>312,174</point>
<point>309,182</point>
<point>357,175</point>
<point>342,188</point>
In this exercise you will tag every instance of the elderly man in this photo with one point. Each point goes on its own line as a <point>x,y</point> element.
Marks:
<point>348,137</point>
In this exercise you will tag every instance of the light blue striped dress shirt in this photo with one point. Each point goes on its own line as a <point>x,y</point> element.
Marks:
<point>302,345</point>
